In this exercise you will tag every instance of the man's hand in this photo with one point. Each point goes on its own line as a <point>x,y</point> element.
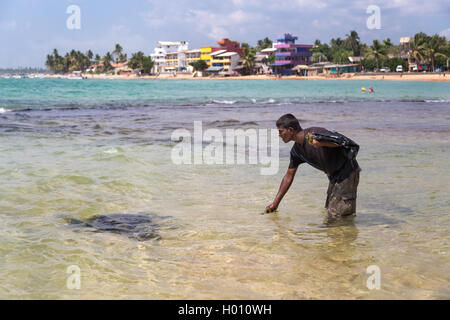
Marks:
<point>271,208</point>
<point>309,137</point>
<point>311,141</point>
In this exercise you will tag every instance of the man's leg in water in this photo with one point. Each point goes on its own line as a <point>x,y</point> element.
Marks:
<point>341,197</point>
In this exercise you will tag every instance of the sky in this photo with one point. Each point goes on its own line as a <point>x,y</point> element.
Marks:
<point>31,29</point>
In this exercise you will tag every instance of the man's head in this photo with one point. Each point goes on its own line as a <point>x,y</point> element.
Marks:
<point>288,126</point>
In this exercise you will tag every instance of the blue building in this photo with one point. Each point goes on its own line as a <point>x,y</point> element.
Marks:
<point>289,54</point>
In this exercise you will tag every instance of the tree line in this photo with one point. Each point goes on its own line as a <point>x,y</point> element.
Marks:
<point>79,61</point>
<point>434,50</point>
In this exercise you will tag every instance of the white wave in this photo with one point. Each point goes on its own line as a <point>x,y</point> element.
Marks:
<point>225,101</point>
<point>3,110</point>
<point>438,101</point>
<point>111,151</point>
<point>253,100</point>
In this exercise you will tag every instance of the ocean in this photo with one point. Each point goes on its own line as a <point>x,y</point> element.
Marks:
<point>80,148</point>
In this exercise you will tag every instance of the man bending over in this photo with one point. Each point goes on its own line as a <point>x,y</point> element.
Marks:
<point>335,160</point>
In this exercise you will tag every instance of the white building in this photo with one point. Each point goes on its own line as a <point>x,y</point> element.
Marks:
<point>162,49</point>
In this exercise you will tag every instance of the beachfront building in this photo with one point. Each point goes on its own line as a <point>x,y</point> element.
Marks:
<point>317,69</point>
<point>224,60</point>
<point>289,54</point>
<point>262,65</point>
<point>171,62</point>
<point>192,55</point>
<point>121,68</point>
<point>180,61</point>
<point>406,54</point>
<point>162,49</point>
<point>338,69</point>
<point>225,45</point>
<point>231,46</point>
<point>205,54</point>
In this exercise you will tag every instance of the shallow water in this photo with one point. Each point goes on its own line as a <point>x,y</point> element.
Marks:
<point>95,147</point>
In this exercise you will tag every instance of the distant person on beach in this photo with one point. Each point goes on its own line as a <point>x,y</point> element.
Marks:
<point>342,172</point>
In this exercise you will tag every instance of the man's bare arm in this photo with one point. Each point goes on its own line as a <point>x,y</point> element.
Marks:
<point>284,187</point>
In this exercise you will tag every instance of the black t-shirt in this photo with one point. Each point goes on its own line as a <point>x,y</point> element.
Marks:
<point>332,161</point>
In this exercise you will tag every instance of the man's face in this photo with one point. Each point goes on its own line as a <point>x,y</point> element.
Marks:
<point>286,134</point>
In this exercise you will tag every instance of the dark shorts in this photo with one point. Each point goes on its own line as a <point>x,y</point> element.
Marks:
<point>341,197</point>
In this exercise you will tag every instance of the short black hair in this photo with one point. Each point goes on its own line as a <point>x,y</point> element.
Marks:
<point>289,121</point>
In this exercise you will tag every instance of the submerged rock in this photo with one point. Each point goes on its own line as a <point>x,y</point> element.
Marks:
<point>136,226</point>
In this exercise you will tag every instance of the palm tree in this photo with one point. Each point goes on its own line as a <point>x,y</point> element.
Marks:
<point>417,47</point>
<point>107,61</point>
<point>58,62</point>
<point>387,43</point>
<point>137,60</point>
<point>263,44</point>
<point>434,48</point>
<point>352,41</point>
<point>122,57</point>
<point>336,42</point>
<point>147,64</point>
<point>50,62</point>
<point>248,58</point>
<point>341,54</point>
<point>117,51</point>
<point>376,51</point>
<point>318,57</point>
<point>89,55</point>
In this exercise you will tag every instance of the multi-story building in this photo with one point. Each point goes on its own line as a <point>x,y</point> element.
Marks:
<point>162,49</point>
<point>289,54</point>
<point>192,55</point>
<point>205,54</point>
<point>180,61</point>
<point>225,45</point>
<point>230,46</point>
<point>171,61</point>
<point>224,59</point>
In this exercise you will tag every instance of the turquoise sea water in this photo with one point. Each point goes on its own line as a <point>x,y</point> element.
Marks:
<point>77,148</point>
<point>45,93</point>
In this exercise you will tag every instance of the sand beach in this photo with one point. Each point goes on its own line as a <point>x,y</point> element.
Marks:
<point>434,77</point>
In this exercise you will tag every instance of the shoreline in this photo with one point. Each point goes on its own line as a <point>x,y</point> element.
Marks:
<point>429,77</point>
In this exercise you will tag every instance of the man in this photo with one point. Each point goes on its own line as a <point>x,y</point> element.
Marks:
<point>342,172</point>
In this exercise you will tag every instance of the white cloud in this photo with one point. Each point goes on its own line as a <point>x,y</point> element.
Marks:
<point>297,5</point>
<point>221,25</point>
<point>8,25</point>
<point>118,28</point>
<point>403,7</point>
<point>445,33</point>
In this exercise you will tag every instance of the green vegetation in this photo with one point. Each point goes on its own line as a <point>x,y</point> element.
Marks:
<point>199,65</point>
<point>433,50</point>
<point>248,57</point>
<point>79,61</point>
<point>140,62</point>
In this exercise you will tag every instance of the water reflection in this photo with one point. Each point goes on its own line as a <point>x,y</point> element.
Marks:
<point>341,232</point>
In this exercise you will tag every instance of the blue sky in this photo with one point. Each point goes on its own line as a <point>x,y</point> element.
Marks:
<point>30,29</point>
